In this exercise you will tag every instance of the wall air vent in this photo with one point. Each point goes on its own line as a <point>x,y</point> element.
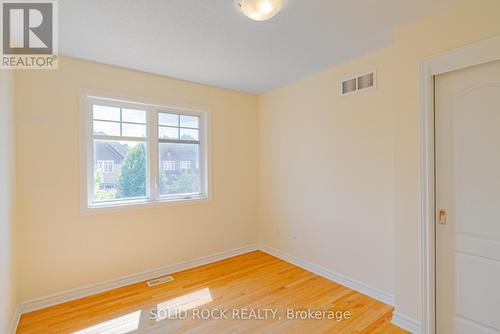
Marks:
<point>160,280</point>
<point>349,86</point>
<point>358,84</point>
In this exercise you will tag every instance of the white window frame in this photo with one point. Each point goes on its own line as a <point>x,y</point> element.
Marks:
<point>152,108</point>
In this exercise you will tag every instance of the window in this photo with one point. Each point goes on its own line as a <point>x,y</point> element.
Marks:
<point>168,165</point>
<point>140,153</point>
<point>179,140</point>
<point>106,166</point>
<point>185,164</point>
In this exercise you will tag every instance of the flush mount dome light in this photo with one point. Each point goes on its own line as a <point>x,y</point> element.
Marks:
<point>260,10</point>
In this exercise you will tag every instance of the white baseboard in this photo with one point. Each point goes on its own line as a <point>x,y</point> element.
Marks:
<point>14,322</point>
<point>407,323</point>
<point>382,296</point>
<point>92,289</point>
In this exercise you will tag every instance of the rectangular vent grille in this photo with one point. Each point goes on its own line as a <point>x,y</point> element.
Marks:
<point>349,86</point>
<point>161,280</point>
<point>358,84</point>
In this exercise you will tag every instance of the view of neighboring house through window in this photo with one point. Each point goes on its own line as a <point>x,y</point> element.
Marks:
<point>126,135</point>
<point>120,150</point>
<point>185,164</point>
<point>106,166</point>
<point>168,165</point>
<point>179,145</point>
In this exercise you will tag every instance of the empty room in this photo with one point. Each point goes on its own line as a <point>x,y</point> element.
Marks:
<point>249,166</point>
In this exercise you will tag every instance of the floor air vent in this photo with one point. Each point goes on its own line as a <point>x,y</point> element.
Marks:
<point>358,84</point>
<point>160,280</point>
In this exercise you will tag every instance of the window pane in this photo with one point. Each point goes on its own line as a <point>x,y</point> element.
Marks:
<point>133,130</point>
<point>106,128</point>
<point>189,134</point>
<point>106,113</point>
<point>134,116</point>
<point>168,133</point>
<point>119,170</point>
<point>179,169</point>
<point>168,119</point>
<point>189,122</point>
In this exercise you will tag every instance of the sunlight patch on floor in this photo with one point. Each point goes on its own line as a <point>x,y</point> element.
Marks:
<point>185,303</point>
<point>121,325</point>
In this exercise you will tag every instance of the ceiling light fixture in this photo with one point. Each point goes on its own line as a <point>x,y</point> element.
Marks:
<point>260,10</point>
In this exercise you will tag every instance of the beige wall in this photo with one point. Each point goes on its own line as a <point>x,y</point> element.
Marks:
<point>8,289</point>
<point>61,249</point>
<point>325,161</point>
<point>338,177</point>
<point>326,172</point>
<point>471,21</point>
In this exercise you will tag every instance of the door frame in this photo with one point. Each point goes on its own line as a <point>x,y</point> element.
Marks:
<point>474,54</point>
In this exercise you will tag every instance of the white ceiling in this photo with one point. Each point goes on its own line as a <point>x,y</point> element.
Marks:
<point>211,42</point>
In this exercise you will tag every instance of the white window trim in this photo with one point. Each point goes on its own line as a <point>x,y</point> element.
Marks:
<point>152,107</point>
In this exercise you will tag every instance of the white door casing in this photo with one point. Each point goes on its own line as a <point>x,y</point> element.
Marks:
<point>467,122</point>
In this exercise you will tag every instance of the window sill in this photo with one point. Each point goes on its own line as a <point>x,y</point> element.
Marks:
<point>143,204</point>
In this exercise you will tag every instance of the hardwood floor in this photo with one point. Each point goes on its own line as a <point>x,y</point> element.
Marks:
<point>253,282</point>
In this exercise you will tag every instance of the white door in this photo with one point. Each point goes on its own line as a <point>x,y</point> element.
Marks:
<point>468,188</point>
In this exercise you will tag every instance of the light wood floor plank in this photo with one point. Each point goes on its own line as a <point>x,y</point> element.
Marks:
<point>251,281</point>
